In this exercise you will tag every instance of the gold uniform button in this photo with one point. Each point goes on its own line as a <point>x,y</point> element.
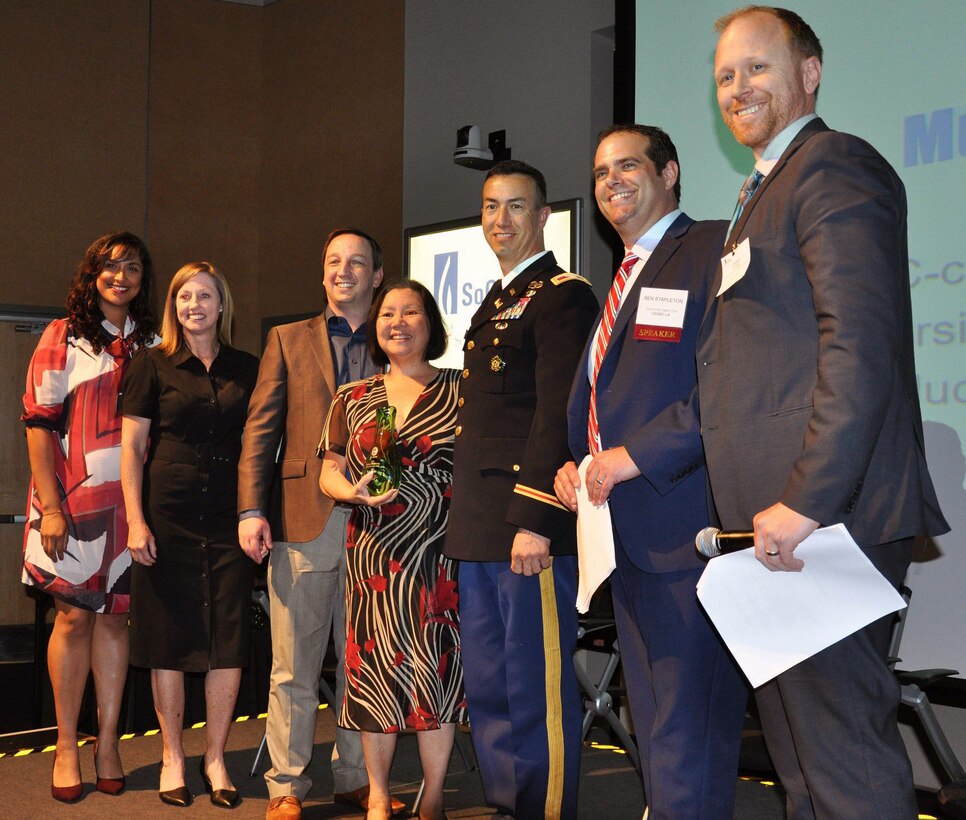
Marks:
<point>496,341</point>
<point>516,468</point>
<point>461,402</point>
<point>470,344</point>
<point>459,430</point>
<point>466,373</point>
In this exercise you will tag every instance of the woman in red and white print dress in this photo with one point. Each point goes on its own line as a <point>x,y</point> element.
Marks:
<point>75,543</point>
<point>402,657</point>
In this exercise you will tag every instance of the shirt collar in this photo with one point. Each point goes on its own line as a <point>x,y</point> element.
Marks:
<point>115,331</point>
<point>183,354</point>
<point>774,150</point>
<point>339,326</point>
<point>526,263</point>
<point>645,246</point>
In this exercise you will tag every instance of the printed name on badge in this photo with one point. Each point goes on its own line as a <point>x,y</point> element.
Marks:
<point>660,314</point>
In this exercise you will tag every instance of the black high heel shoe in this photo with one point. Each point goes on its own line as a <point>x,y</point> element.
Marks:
<point>223,798</point>
<point>180,796</point>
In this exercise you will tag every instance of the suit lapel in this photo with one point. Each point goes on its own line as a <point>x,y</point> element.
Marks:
<point>318,340</point>
<point>488,309</point>
<point>810,129</point>
<point>665,249</point>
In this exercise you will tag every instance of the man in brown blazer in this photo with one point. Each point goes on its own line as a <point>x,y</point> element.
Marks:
<point>302,366</point>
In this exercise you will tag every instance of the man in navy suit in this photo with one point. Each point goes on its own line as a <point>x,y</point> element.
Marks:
<point>633,405</point>
<point>809,406</point>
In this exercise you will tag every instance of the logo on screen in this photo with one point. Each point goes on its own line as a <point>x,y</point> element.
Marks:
<point>446,280</point>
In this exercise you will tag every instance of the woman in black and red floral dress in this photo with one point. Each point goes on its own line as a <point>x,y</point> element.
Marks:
<point>403,668</point>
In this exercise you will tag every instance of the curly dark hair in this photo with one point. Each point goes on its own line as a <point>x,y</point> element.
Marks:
<point>83,301</point>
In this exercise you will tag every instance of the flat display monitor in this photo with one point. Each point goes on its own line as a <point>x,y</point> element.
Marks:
<point>454,262</point>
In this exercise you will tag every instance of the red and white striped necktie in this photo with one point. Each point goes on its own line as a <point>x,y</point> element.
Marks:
<point>611,307</point>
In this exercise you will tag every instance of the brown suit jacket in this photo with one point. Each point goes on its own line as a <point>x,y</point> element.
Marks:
<point>296,382</point>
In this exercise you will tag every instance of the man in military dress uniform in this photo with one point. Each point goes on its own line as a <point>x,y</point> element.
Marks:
<point>515,541</point>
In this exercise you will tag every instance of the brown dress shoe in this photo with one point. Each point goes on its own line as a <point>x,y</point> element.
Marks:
<point>360,798</point>
<point>284,808</point>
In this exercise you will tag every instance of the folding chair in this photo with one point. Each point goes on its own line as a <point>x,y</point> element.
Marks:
<point>913,685</point>
<point>600,635</point>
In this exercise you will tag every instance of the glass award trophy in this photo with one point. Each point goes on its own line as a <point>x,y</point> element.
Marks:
<point>384,460</point>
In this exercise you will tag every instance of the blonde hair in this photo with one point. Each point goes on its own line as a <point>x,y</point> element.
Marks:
<point>172,334</point>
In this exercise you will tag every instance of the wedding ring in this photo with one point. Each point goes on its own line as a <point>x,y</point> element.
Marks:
<point>771,553</point>
<point>598,481</point>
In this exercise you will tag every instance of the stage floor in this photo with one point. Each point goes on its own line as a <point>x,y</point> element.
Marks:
<point>609,789</point>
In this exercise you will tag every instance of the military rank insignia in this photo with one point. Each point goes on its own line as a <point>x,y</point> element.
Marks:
<point>560,278</point>
<point>497,364</point>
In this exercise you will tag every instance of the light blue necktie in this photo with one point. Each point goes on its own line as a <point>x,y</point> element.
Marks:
<point>747,192</point>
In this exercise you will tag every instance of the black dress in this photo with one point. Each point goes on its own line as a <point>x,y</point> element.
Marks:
<point>190,611</point>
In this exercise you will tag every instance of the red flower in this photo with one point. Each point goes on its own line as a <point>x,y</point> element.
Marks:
<point>377,582</point>
<point>421,719</point>
<point>399,659</point>
<point>370,644</point>
<point>395,566</point>
<point>391,509</point>
<point>353,660</point>
<point>423,444</point>
<point>434,603</point>
<point>359,391</point>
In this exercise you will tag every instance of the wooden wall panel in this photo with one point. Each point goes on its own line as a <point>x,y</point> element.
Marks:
<point>72,146</point>
<point>205,146</point>
<point>333,139</point>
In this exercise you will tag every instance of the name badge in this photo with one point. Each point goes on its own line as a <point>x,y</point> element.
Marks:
<point>734,265</point>
<point>660,314</point>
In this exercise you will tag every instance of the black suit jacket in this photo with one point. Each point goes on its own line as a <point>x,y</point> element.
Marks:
<point>807,374</point>
<point>511,434</point>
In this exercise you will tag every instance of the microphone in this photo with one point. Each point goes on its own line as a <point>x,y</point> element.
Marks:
<point>712,542</point>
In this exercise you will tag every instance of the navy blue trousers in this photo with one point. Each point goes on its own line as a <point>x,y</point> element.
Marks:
<point>688,696</point>
<point>518,636</point>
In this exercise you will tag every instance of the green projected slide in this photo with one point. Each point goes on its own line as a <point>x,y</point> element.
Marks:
<point>894,75</point>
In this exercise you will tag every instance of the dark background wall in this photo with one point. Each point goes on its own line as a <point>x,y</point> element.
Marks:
<point>220,131</point>
<point>542,71</point>
<point>234,133</point>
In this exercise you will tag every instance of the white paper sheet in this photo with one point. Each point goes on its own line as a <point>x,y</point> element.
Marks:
<point>774,620</point>
<point>595,543</point>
